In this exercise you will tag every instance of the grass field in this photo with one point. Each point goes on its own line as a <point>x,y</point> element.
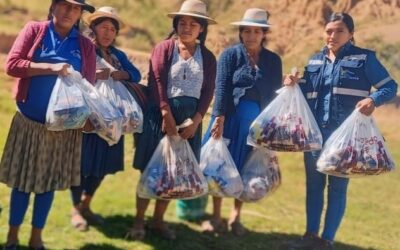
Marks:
<point>371,222</point>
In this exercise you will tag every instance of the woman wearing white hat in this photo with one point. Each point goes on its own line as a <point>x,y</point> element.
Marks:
<point>98,158</point>
<point>247,77</point>
<point>181,80</point>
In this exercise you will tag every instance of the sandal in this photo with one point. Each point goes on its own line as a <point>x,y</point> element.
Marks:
<point>238,229</point>
<point>11,247</point>
<point>135,234</point>
<point>90,217</point>
<point>163,232</point>
<point>78,222</point>
<point>214,226</point>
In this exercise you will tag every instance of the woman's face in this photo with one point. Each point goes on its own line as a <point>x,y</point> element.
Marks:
<point>65,14</point>
<point>105,33</point>
<point>252,37</point>
<point>336,35</point>
<point>188,29</point>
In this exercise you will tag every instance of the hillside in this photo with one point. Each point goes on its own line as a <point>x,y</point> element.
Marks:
<point>296,32</point>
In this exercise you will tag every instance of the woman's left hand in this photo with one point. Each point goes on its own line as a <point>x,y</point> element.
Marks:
<point>119,75</point>
<point>366,106</point>
<point>190,130</point>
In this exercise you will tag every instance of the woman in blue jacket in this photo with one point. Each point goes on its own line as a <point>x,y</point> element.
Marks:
<point>336,81</point>
<point>247,77</point>
<point>98,158</point>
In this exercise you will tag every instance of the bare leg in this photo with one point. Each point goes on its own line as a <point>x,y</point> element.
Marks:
<point>159,211</point>
<point>235,214</point>
<point>36,238</point>
<point>137,231</point>
<point>12,236</point>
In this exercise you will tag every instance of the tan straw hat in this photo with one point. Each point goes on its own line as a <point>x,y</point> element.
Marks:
<point>105,11</point>
<point>193,8</point>
<point>254,17</point>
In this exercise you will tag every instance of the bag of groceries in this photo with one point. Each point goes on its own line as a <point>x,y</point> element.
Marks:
<point>260,174</point>
<point>67,108</point>
<point>119,95</point>
<point>104,116</point>
<point>172,172</point>
<point>286,124</point>
<point>356,148</point>
<point>220,170</point>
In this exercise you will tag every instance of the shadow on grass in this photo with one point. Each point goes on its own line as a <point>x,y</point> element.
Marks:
<point>99,247</point>
<point>115,227</point>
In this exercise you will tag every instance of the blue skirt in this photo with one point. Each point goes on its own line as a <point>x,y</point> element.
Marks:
<point>182,107</point>
<point>236,129</point>
<point>100,159</point>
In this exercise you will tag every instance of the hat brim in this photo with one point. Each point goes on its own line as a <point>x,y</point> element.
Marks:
<point>244,23</point>
<point>174,14</point>
<point>89,18</point>
<point>85,6</point>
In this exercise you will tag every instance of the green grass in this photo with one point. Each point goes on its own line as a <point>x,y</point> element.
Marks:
<point>371,220</point>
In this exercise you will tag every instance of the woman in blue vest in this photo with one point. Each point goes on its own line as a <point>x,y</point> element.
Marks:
<point>247,77</point>
<point>336,81</point>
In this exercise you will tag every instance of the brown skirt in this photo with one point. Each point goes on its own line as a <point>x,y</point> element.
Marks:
<point>38,160</point>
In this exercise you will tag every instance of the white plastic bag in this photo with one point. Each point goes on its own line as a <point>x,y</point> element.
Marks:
<point>260,174</point>
<point>172,172</point>
<point>104,116</point>
<point>67,108</point>
<point>356,148</point>
<point>118,94</point>
<point>286,124</point>
<point>220,170</point>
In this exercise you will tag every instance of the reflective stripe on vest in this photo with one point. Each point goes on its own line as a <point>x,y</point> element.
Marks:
<point>311,95</point>
<point>353,92</point>
<point>302,81</point>
<point>315,62</point>
<point>382,82</point>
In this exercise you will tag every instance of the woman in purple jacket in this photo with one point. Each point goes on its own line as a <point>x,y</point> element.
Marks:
<point>36,160</point>
<point>181,80</point>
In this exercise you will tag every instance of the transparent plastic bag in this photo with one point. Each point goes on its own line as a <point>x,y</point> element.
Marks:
<point>172,172</point>
<point>286,124</point>
<point>356,148</point>
<point>104,116</point>
<point>119,95</point>
<point>261,175</point>
<point>67,108</point>
<point>220,170</point>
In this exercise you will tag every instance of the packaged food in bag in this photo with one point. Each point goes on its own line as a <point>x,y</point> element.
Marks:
<point>67,108</point>
<point>220,170</point>
<point>119,96</point>
<point>261,175</point>
<point>356,148</point>
<point>104,116</point>
<point>172,172</point>
<point>286,124</point>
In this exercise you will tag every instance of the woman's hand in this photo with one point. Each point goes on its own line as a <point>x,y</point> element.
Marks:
<point>88,127</point>
<point>103,74</point>
<point>366,106</point>
<point>119,75</point>
<point>292,79</point>
<point>168,122</point>
<point>189,131</point>
<point>218,127</point>
<point>60,69</point>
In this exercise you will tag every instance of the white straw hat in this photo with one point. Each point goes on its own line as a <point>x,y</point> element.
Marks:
<point>105,11</point>
<point>193,8</point>
<point>254,17</point>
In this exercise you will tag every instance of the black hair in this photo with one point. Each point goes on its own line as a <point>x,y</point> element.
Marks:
<point>263,41</point>
<point>99,20</point>
<point>346,19</point>
<point>203,23</point>
<point>50,14</point>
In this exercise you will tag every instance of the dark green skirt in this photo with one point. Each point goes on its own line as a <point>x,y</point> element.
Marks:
<point>182,107</point>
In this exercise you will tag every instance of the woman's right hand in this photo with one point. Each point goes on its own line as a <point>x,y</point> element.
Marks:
<point>168,122</point>
<point>60,69</point>
<point>103,74</point>
<point>218,127</point>
<point>291,79</point>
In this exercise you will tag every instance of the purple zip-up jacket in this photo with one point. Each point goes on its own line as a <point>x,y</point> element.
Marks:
<point>21,53</point>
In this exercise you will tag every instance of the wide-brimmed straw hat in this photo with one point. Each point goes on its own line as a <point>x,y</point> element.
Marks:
<point>82,3</point>
<point>254,17</point>
<point>105,11</point>
<point>193,8</point>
